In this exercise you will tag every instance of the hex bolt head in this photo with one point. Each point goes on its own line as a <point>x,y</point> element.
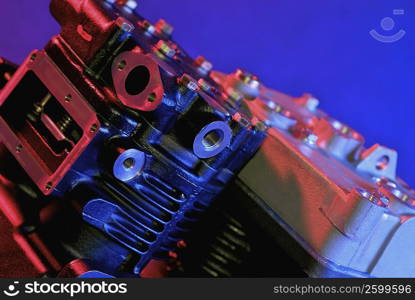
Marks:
<point>311,139</point>
<point>164,48</point>
<point>131,4</point>
<point>124,24</point>
<point>204,85</point>
<point>162,26</point>
<point>188,82</point>
<point>203,64</point>
<point>247,78</point>
<point>312,104</point>
<point>147,26</point>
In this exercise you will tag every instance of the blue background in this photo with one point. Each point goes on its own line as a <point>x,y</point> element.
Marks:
<point>322,47</point>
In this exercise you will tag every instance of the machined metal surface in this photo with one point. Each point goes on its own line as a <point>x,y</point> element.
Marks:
<point>341,202</point>
<point>115,142</point>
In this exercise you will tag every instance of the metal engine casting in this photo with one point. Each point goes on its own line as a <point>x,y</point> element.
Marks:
<point>122,156</point>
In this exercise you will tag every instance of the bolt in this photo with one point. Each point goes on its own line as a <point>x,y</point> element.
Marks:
<point>383,201</point>
<point>124,24</point>
<point>365,194</point>
<point>204,85</point>
<point>261,126</point>
<point>234,95</point>
<point>204,65</point>
<point>173,254</point>
<point>279,109</point>
<point>188,82</point>
<point>397,193</point>
<point>247,78</point>
<point>345,129</point>
<point>131,4</point>
<point>311,139</point>
<point>163,26</point>
<point>192,85</point>
<point>377,199</point>
<point>336,124</point>
<point>312,104</point>
<point>181,244</point>
<point>405,197</point>
<point>165,49</point>
<point>148,27</point>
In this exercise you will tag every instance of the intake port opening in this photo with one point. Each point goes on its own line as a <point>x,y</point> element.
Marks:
<point>213,139</point>
<point>129,164</point>
<point>137,80</point>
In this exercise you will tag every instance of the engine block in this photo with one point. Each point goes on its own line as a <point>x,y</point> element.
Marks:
<point>114,143</point>
<point>116,119</point>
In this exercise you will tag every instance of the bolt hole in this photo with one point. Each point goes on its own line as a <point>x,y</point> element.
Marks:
<point>382,163</point>
<point>48,186</point>
<point>68,98</point>
<point>94,128</point>
<point>129,163</point>
<point>121,65</point>
<point>33,56</point>
<point>19,148</point>
<point>212,139</point>
<point>151,97</point>
<point>137,80</point>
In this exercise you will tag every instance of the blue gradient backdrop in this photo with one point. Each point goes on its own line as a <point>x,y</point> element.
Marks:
<point>320,46</point>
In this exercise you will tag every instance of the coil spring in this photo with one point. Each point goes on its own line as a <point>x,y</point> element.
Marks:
<point>221,252</point>
<point>228,250</point>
